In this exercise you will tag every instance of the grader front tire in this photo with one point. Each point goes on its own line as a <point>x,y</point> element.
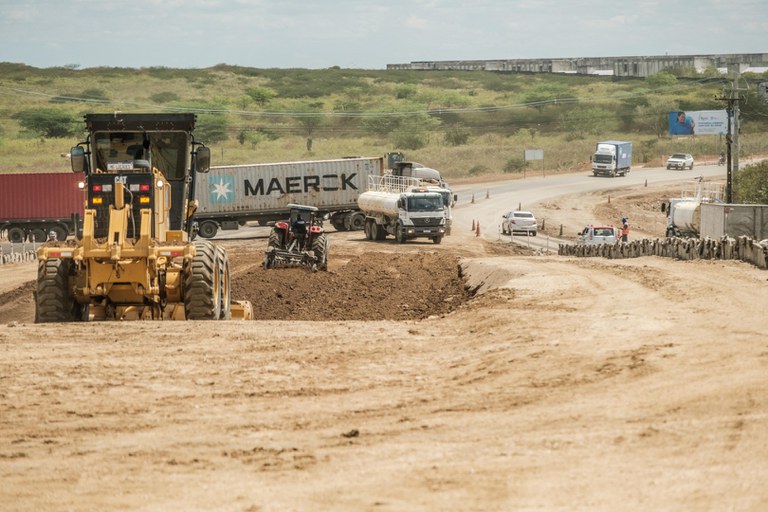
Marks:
<point>54,301</point>
<point>202,284</point>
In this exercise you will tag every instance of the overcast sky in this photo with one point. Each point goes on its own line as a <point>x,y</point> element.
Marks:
<point>367,34</point>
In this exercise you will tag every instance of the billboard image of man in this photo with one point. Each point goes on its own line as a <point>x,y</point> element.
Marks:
<point>680,123</point>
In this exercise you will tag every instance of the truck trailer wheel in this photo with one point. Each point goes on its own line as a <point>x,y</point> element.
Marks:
<point>16,235</point>
<point>37,235</point>
<point>54,301</point>
<point>202,284</point>
<point>61,232</point>
<point>208,229</point>
<point>357,221</point>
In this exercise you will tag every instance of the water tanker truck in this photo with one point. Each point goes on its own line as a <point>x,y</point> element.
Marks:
<point>397,206</point>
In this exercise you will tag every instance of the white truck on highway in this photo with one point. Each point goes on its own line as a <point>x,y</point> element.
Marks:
<point>612,158</point>
<point>398,206</point>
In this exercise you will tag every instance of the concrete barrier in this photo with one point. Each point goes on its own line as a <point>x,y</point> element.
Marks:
<point>18,257</point>
<point>742,248</point>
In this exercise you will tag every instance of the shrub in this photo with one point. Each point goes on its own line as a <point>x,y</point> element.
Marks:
<point>457,135</point>
<point>751,185</point>
<point>164,97</point>
<point>48,122</point>
<point>515,164</point>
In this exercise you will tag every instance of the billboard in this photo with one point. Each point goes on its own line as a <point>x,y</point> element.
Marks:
<point>698,122</point>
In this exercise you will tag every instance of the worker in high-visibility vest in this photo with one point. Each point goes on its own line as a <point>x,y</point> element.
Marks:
<point>625,232</point>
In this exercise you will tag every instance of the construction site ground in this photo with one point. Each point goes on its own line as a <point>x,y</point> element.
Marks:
<point>473,375</point>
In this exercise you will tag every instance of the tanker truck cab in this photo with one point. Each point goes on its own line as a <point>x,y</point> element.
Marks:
<point>422,214</point>
<point>405,213</point>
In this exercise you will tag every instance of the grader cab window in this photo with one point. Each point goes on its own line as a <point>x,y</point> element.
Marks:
<point>165,151</point>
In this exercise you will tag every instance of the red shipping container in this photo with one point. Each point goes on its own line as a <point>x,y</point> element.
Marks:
<point>40,196</point>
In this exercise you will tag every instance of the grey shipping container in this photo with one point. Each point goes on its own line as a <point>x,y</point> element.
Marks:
<point>229,196</point>
<point>733,220</point>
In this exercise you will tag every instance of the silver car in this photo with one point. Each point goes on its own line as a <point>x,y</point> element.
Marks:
<point>680,161</point>
<point>518,221</point>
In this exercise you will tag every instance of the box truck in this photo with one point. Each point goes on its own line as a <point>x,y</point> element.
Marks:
<point>612,158</point>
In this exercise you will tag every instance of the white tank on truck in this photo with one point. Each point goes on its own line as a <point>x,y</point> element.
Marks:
<point>229,196</point>
<point>684,212</point>
<point>394,206</point>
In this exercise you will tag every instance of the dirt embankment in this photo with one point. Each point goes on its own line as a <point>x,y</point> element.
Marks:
<point>518,381</point>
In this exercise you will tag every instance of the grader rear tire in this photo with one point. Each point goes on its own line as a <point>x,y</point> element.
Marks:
<point>54,301</point>
<point>202,284</point>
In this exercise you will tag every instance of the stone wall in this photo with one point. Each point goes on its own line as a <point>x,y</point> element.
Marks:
<point>741,248</point>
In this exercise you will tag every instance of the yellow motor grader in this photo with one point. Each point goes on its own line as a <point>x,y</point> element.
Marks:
<point>133,257</point>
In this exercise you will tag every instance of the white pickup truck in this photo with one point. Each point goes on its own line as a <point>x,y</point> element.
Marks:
<point>591,235</point>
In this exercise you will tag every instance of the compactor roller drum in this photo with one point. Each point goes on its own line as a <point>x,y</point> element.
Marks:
<point>54,297</point>
<point>202,284</point>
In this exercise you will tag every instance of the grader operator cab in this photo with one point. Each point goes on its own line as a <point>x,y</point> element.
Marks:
<point>133,258</point>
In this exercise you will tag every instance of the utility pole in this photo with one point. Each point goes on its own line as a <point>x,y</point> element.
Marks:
<point>732,134</point>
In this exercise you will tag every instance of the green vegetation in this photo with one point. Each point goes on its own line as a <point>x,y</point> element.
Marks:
<point>751,187</point>
<point>461,122</point>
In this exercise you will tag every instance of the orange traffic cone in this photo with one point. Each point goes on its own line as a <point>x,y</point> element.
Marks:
<point>477,230</point>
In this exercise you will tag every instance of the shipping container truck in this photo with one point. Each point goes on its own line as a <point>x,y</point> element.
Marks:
<point>229,196</point>
<point>34,204</point>
<point>612,158</point>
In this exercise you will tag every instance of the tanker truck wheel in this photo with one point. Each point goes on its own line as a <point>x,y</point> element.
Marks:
<point>202,284</point>
<point>54,301</point>
<point>400,233</point>
<point>226,299</point>
<point>437,239</point>
<point>320,247</point>
<point>381,233</point>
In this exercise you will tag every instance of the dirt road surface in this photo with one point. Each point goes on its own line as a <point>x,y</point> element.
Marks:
<point>474,375</point>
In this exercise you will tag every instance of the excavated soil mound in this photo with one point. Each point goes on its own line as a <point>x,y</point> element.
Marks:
<point>369,286</point>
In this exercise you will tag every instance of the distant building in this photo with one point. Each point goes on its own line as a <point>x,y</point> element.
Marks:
<point>635,67</point>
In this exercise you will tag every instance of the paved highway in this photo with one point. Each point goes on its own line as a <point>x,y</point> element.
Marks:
<point>492,199</point>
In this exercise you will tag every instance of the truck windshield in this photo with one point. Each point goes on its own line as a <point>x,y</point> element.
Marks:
<point>428,203</point>
<point>603,231</point>
<point>603,159</point>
